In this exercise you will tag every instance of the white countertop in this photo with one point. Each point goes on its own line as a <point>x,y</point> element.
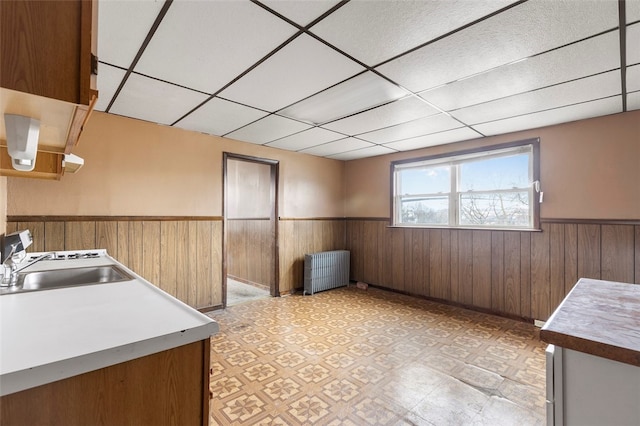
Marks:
<point>54,334</point>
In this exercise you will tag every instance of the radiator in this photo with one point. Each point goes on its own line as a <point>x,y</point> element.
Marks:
<point>325,270</point>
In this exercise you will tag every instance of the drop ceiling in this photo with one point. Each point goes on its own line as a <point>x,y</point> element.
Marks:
<point>361,78</point>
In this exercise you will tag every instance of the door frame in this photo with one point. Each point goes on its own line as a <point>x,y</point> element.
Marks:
<point>274,166</point>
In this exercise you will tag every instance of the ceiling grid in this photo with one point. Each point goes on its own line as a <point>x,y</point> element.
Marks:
<point>360,78</point>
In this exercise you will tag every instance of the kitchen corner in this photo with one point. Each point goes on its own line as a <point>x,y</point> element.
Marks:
<point>593,358</point>
<point>57,335</point>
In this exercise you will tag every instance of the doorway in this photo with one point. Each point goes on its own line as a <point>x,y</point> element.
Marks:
<point>250,229</point>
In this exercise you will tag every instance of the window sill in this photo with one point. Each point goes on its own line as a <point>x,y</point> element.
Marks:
<point>465,228</point>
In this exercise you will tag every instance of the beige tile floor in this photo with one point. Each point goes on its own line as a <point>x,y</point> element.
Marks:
<point>355,357</point>
<point>238,292</point>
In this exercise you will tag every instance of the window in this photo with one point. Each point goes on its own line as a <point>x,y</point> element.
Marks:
<point>495,187</point>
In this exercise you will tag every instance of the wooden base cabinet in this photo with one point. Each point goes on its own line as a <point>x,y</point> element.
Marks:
<point>167,388</point>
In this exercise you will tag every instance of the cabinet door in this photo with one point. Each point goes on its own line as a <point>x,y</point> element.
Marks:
<point>166,388</point>
<point>46,48</point>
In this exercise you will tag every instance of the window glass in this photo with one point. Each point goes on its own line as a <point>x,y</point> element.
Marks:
<point>495,173</point>
<point>495,209</point>
<point>425,210</point>
<point>425,180</point>
<point>490,188</point>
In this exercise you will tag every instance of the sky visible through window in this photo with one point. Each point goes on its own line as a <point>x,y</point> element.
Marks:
<point>491,191</point>
<point>481,175</point>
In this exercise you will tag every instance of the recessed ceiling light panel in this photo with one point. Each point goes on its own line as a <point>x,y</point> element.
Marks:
<point>357,94</point>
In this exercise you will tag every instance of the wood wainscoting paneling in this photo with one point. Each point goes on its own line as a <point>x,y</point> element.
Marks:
<point>250,251</point>
<point>298,237</point>
<point>515,273</point>
<point>181,256</point>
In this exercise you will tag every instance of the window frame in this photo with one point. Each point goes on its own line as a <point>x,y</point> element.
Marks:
<point>454,218</point>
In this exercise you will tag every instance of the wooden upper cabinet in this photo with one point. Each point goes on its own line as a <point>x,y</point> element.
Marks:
<point>47,48</point>
<point>48,72</point>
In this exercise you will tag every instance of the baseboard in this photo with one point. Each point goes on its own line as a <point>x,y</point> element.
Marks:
<point>251,283</point>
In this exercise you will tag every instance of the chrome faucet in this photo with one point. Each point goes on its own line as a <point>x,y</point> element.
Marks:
<point>11,266</point>
<point>14,246</point>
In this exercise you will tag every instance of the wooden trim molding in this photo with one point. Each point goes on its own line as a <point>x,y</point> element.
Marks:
<point>542,220</point>
<point>54,218</point>
<point>78,120</point>
<point>210,309</point>
<point>379,219</point>
<point>593,221</point>
<point>110,218</point>
<point>468,228</point>
<point>310,218</point>
<point>270,237</point>
<point>530,141</point>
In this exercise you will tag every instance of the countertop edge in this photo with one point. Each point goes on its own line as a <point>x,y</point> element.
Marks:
<point>178,334</point>
<point>48,373</point>
<point>569,327</point>
<point>601,349</point>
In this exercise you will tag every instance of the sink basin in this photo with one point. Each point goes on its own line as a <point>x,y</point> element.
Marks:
<point>71,277</point>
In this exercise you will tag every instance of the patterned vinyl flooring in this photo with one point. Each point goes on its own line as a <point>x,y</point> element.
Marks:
<point>356,357</point>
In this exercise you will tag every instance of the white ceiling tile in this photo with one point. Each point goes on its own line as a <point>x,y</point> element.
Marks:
<point>517,33</point>
<point>302,12</point>
<point>633,101</point>
<point>125,25</point>
<point>354,95</point>
<point>110,78</point>
<point>577,91</point>
<point>570,62</point>
<point>633,78</point>
<point>400,111</point>
<point>306,139</point>
<point>441,138</point>
<point>363,153</point>
<point>268,129</point>
<point>337,147</point>
<point>485,73</point>
<point>633,44</point>
<point>302,68</point>
<point>633,10</point>
<point>155,101</point>
<point>555,116</point>
<point>374,31</point>
<point>206,44</point>
<point>219,116</point>
<point>420,127</point>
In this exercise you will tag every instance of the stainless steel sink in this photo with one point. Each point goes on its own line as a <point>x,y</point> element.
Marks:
<point>70,277</point>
